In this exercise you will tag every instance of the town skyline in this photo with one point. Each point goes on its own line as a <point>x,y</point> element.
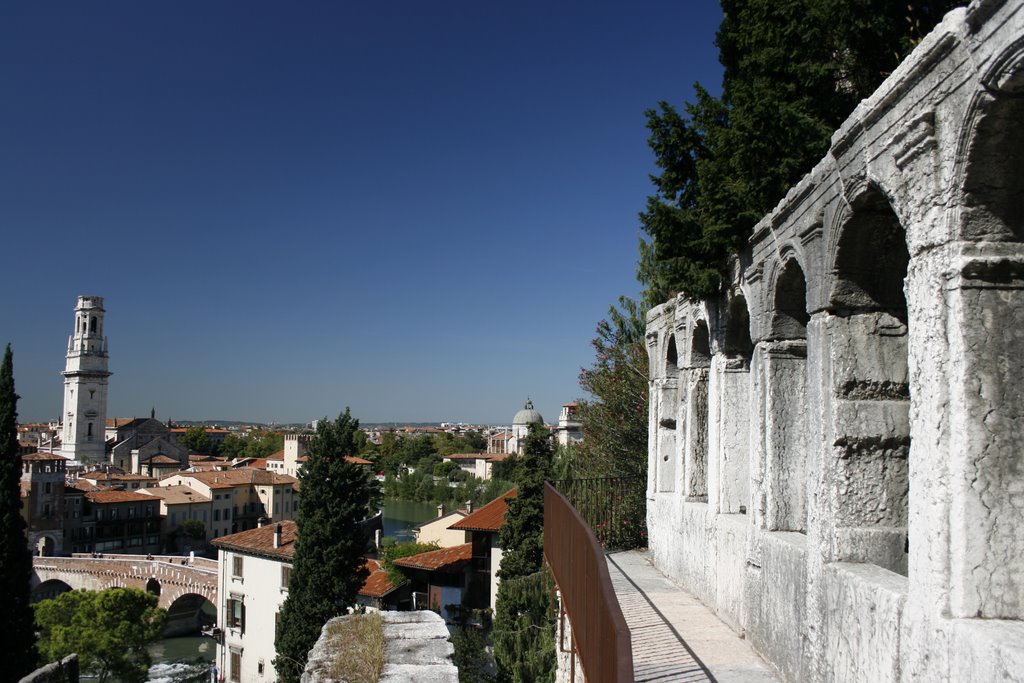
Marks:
<point>417,212</point>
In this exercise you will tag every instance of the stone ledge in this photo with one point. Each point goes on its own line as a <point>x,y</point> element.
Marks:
<point>417,648</point>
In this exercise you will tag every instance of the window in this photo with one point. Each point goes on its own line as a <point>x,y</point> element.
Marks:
<point>216,515</point>
<point>204,516</point>
<point>286,505</point>
<point>236,566</point>
<point>227,514</point>
<point>47,487</point>
<point>259,667</point>
<point>236,665</point>
<point>236,613</point>
<point>174,517</point>
<point>286,575</point>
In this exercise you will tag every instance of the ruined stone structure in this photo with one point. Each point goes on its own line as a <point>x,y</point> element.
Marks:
<point>182,589</point>
<point>835,445</point>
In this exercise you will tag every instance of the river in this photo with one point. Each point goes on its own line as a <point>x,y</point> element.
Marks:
<point>188,658</point>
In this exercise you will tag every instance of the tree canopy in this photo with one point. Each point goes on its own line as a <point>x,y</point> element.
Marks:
<point>16,632</point>
<point>793,71</point>
<point>108,629</point>
<point>327,568</point>
<point>195,439</point>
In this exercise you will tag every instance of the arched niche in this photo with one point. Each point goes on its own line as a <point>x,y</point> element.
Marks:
<point>790,317</point>
<point>868,472</point>
<point>783,373</point>
<point>668,418</point>
<point>695,390</point>
<point>993,176</point>
<point>700,345</point>
<point>738,343</point>
<point>871,260</point>
<point>730,419</point>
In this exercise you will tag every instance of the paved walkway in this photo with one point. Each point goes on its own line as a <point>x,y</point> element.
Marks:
<point>675,637</point>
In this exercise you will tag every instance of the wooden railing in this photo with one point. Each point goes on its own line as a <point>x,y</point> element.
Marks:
<point>600,635</point>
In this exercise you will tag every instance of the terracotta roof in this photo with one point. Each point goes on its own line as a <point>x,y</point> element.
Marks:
<point>357,460</point>
<point>442,560</point>
<point>238,477</point>
<point>260,541</point>
<point>467,456</point>
<point>102,497</point>
<point>161,459</point>
<point>279,455</point>
<point>42,456</point>
<point>83,485</point>
<point>175,495</point>
<point>378,583</point>
<point>490,517</point>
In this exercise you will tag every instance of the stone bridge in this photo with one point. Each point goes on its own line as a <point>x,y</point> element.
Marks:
<point>182,589</point>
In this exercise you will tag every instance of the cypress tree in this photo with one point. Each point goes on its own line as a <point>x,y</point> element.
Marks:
<point>793,71</point>
<point>327,568</point>
<point>524,620</point>
<point>17,627</point>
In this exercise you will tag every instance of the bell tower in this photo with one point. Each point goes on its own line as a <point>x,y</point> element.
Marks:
<point>85,385</point>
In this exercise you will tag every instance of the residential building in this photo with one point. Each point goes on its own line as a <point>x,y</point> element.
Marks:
<point>179,504</point>
<point>437,530</point>
<point>242,497</point>
<point>438,579</point>
<point>116,480</point>
<point>484,526</point>
<point>122,521</point>
<point>254,569</point>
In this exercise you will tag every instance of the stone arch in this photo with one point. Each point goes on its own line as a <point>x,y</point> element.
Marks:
<point>789,302</point>
<point>668,415</point>
<point>738,342</point>
<point>45,546</point>
<point>186,614</point>
<point>671,357</point>
<point>870,259</point>
<point>868,474</point>
<point>700,345</point>
<point>991,147</point>
<point>694,381</point>
<point>153,586</point>
<point>48,589</point>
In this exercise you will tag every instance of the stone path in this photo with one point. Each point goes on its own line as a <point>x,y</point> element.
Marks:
<point>675,637</point>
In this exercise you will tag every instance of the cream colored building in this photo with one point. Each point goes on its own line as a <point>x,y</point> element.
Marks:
<point>242,497</point>
<point>436,530</point>
<point>253,567</point>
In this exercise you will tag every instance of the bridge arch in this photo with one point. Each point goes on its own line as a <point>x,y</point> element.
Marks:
<point>153,586</point>
<point>188,613</point>
<point>49,589</point>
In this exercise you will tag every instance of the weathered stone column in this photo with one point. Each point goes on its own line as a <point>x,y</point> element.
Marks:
<point>784,435</point>
<point>695,469</point>
<point>985,330</point>
<point>729,436</point>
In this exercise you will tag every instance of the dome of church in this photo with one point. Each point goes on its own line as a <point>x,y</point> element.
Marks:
<point>527,415</point>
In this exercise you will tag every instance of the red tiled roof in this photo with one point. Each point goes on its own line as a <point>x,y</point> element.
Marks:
<point>101,497</point>
<point>468,456</point>
<point>490,517</point>
<point>442,560</point>
<point>357,460</point>
<point>279,455</point>
<point>240,476</point>
<point>42,456</point>
<point>260,541</point>
<point>378,583</point>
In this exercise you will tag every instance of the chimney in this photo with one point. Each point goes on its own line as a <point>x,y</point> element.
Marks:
<point>469,506</point>
<point>277,535</point>
<point>440,509</point>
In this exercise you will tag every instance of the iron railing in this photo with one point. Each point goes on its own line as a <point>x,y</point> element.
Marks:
<point>599,632</point>
<point>614,507</point>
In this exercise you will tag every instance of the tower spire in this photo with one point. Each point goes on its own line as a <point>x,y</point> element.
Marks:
<point>85,385</point>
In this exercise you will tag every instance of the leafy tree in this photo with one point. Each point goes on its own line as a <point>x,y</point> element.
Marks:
<point>391,551</point>
<point>793,71</point>
<point>109,630</point>
<point>16,631</point>
<point>195,439</point>
<point>327,569</point>
<point>524,615</point>
<point>614,420</point>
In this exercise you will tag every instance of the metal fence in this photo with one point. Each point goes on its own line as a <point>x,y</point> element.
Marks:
<point>599,630</point>
<point>614,507</point>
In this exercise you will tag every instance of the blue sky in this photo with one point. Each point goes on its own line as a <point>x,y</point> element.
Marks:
<point>419,210</point>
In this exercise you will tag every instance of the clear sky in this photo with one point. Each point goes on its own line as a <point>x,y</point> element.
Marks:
<point>416,209</point>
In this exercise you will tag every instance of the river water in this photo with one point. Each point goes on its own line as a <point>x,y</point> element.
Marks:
<point>188,658</point>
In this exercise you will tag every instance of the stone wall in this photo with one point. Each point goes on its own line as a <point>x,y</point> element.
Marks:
<point>835,442</point>
<point>64,671</point>
<point>417,649</point>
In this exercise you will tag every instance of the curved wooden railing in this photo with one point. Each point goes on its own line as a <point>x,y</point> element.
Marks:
<point>578,563</point>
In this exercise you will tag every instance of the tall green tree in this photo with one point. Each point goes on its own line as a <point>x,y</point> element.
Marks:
<point>327,569</point>
<point>109,630</point>
<point>16,630</point>
<point>524,614</point>
<point>196,440</point>
<point>793,71</point>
